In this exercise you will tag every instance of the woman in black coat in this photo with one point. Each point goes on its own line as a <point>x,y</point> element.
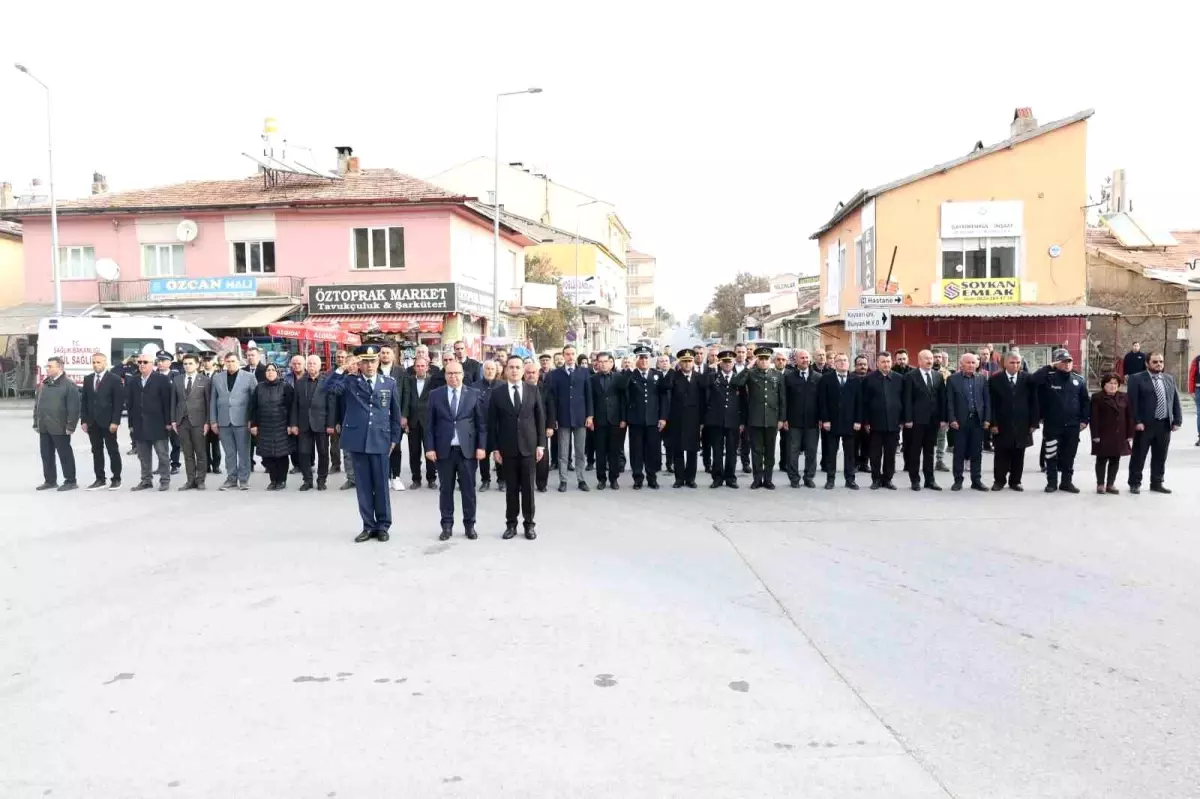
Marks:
<point>270,424</point>
<point>1112,431</point>
<point>589,440</point>
<point>488,380</point>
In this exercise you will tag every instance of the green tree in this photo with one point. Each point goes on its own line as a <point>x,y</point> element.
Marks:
<point>728,303</point>
<point>709,324</point>
<point>548,327</point>
<point>664,317</point>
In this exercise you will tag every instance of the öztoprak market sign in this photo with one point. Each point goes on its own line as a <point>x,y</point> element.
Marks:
<point>980,291</point>
<point>383,298</point>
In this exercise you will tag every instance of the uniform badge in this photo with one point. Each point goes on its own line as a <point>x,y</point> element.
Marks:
<point>1074,381</point>
<point>385,396</point>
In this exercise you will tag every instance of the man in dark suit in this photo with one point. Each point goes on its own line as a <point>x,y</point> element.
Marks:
<point>569,389</point>
<point>883,416</point>
<point>924,415</point>
<point>639,388</point>
<point>151,401</point>
<point>802,386</point>
<point>516,425</point>
<point>1154,402</point>
<point>164,363</point>
<point>102,401</point>
<point>724,415</point>
<point>541,469</point>
<point>313,420</point>
<point>839,411</point>
<point>1014,418</point>
<point>607,423</point>
<point>456,440</point>
<point>421,384</point>
<point>681,416</point>
<point>192,396</point>
<point>472,369</point>
<point>969,411</point>
<point>389,365</point>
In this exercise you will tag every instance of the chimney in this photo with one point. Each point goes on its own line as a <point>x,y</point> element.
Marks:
<point>1117,199</point>
<point>1023,122</point>
<point>343,159</point>
<point>352,165</point>
<point>99,184</point>
<point>7,198</point>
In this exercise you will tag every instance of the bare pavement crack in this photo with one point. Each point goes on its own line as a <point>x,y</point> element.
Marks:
<point>909,750</point>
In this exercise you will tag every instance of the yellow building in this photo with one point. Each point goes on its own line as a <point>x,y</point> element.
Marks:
<point>12,265</point>
<point>989,249</point>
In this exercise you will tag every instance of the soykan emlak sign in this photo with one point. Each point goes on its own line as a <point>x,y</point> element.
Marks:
<point>165,288</point>
<point>980,291</point>
<point>383,298</point>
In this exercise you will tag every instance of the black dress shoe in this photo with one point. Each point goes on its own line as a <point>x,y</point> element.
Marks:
<point>365,535</point>
<point>509,532</point>
<point>71,485</point>
<point>174,470</point>
<point>306,486</point>
<point>889,485</point>
<point>637,486</point>
<point>652,483</point>
<point>876,485</point>
<point>1069,488</point>
<point>809,483</point>
<point>1016,487</point>
<point>1051,488</point>
<point>562,487</point>
<point>732,482</point>
<point>767,484</point>
<point>916,486</point>
<point>530,534</point>
<point>1154,489</point>
<point>415,484</point>
<point>957,486</point>
<point>99,484</point>
<point>186,487</point>
<point>46,486</point>
<point>794,483</point>
<point>745,469</point>
<point>975,486</point>
<point>932,486</point>
<point>717,484</point>
<point>601,485</point>
<point>321,486</point>
<point>756,484</point>
<point>164,486</point>
<point>470,531</point>
<point>997,486</point>
<point>614,485</point>
<point>445,536</point>
<point>853,486</point>
<point>1135,489</point>
<point>691,483</point>
<point>486,485</point>
<point>433,485</point>
<point>382,536</point>
<point>677,484</point>
<point>584,486</point>
<point>829,484</point>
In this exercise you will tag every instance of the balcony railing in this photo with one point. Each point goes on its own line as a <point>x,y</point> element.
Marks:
<point>249,289</point>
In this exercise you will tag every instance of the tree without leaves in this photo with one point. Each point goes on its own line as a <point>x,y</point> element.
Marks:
<point>728,303</point>
<point>548,328</point>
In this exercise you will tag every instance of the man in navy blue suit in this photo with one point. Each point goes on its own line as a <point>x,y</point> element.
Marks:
<point>456,440</point>
<point>370,431</point>
<point>569,388</point>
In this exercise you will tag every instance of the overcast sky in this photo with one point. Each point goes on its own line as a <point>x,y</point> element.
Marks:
<point>725,136</point>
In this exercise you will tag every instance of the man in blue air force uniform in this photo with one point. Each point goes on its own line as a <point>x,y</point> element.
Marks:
<point>370,431</point>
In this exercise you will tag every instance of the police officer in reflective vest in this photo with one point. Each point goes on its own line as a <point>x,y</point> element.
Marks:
<point>370,431</point>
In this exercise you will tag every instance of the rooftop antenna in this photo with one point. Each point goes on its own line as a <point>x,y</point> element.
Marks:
<point>275,167</point>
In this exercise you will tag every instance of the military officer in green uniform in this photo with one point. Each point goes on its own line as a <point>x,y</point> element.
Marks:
<point>766,405</point>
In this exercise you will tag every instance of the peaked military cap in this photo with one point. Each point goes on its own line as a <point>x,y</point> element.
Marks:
<point>367,352</point>
<point>686,354</point>
<point>726,355</point>
<point>763,352</point>
<point>163,355</point>
<point>641,350</point>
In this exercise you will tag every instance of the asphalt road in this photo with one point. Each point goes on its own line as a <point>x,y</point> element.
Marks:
<point>660,644</point>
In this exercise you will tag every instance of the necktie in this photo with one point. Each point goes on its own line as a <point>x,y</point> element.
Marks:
<point>517,397</point>
<point>187,389</point>
<point>96,384</point>
<point>804,376</point>
<point>453,404</point>
<point>841,381</point>
<point>1160,407</point>
<point>929,381</point>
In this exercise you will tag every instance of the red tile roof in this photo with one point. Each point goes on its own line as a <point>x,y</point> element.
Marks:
<point>370,186</point>
<point>1103,243</point>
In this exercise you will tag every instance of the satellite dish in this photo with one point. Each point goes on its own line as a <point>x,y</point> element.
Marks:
<point>187,230</point>
<point>107,269</point>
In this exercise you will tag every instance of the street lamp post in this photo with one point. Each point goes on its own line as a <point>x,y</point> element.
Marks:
<point>53,202</point>
<point>496,214</point>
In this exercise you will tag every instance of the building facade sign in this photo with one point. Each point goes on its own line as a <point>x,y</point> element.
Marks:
<point>980,220</point>
<point>980,291</point>
<point>782,284</point>
<point>383,298</point>
<point>473,301</point>
<point>173,288</point>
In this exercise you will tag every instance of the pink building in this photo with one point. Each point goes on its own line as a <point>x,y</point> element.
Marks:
<point>236,255</point>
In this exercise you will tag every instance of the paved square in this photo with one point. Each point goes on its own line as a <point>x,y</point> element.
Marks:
<point>698,643</point>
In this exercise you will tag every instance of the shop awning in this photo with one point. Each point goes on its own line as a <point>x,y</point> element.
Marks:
<point>221,317</point>
<point>23,320</point>
<point>302,331</point>
<point>383,323</point>
<point>998,311</point>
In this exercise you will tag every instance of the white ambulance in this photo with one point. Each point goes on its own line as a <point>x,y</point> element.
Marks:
<point>76,338</point>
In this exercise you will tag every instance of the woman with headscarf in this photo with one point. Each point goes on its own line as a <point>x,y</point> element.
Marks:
<point>271,425</point>
<point>1112,431</point>
<point>589,440</point>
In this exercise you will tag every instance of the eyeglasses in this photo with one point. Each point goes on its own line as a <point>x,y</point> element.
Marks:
<point>143,363</point>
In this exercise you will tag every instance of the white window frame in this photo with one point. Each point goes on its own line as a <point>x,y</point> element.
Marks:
<point>87,258</point>
<point>1018,249</point>
<point>233,245</point>
<point>371,248</point>
<point>178,267</point>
